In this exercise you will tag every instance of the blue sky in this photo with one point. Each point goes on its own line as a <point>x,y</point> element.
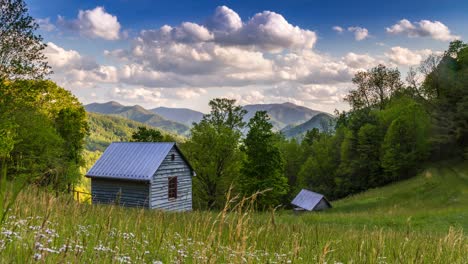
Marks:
<point>305,52</point>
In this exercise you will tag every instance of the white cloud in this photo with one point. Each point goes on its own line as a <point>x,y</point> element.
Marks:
<point>95,23</point>
<point>246,98</point>
<point>270,31</point>
<point>45,24</point>
<point>224,20</point>
<point>359,61</point>
<point>264,31</point>
<point>338,29</point>
<point>359,33</point>
<point>407,57</point>
<point>60,59</point>
<point>424,28</point>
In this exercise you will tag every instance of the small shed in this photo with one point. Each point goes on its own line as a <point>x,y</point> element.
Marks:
<point>141,174</point>
<point>310,201</point>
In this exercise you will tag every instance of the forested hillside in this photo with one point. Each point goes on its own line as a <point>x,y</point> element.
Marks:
<point>181,115</point>
<point>281,115</point>
<point>105,129</point>
<point>139,114</point>
<point>323,122</point>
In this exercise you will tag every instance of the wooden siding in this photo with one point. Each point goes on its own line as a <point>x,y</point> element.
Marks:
<point>128,193</point>
<point>159,185</point>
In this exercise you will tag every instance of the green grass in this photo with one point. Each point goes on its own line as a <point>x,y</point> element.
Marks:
<point>420,220</point>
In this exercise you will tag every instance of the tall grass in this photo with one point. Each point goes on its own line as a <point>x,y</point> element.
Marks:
<point>47,229</point>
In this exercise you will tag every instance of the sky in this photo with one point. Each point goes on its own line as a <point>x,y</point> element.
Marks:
<point>183,53</point>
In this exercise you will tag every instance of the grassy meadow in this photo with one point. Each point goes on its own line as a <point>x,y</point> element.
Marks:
<point>421,220</point>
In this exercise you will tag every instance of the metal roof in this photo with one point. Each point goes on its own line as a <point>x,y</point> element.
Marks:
<point>307,199</point>
<point>131,160</point>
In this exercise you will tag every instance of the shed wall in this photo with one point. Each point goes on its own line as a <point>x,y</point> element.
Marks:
<point>127,193</point>
<point>159,186</point>
<point>322,205</point>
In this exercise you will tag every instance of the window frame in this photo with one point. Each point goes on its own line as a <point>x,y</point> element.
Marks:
<point>172,186</point>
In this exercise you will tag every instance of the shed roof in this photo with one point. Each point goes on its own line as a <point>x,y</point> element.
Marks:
<point>308,200</point>
<point>136,161</point>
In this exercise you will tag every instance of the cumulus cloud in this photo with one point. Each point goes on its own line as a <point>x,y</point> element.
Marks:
<point>71,69</point>
<point>45,24</point>
<point>338,29</point>
<point>60,59</point>
<point>424,28</point>
<point>270,31</point>
<point>154,96</point>
<point>360,33</point>
<point>265,31</point>
<point>359,61</point>
<point>407,57</point>
<point>94,23</point>
<point>224,20</point>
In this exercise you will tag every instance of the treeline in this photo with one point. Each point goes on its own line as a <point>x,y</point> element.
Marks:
<point>393,127</point>
<point>42,131</point>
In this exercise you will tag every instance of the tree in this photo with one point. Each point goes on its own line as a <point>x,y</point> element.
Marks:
<point>20,48</point>
<point>263,167</point>
<point>213,150</point>
<point>374,87</point>
<point>144,134</point>
<point>44,133</point>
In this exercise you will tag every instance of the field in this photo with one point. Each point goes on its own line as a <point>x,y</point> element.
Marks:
<point>421,220</point>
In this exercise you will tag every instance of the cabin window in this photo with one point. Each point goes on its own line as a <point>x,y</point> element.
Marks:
<point>172,157</point>
<point>172,190</point>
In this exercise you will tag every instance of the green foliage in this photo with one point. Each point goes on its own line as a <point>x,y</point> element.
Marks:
<point>262,170</point>
<point>105,129</point>
<point>374,87</point>
<point>213,151</point>
<point>20,48</point>
<point>147,135</point>
<point>46,129</point>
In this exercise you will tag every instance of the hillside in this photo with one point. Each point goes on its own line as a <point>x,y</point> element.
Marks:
<point>139,114</point>
<point>418,219</point>
<point>105,129</point>
<point>434,200</point>
<point>181,115</point>
<point>440,187</point>
<point>321,121</point>
<point>282,115</point>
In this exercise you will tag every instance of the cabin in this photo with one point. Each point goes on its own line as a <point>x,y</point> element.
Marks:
<point>310,201</point>
<point>143,174</point>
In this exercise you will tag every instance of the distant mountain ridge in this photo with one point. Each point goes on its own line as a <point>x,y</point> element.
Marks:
<point>321,121</point>
<point>139,114</point>
<point>181,115</point>
<point>282,115</point>
<point>291,119</point>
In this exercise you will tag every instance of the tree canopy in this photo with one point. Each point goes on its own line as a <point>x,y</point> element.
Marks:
<point>21,49</point>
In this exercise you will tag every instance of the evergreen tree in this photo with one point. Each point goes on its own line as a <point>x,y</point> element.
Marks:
<point>263,167</point>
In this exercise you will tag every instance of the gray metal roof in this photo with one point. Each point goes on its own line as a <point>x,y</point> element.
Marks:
<point>130,160</point>
<point>307,199</point>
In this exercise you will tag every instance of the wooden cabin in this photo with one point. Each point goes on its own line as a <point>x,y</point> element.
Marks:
<point>141,174</point>
<point>310,201</point>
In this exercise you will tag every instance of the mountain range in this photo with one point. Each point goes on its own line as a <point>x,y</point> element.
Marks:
<point>292,120</point>
<point>139,114</point>
<point>181,115</point>
<point>282,115</point>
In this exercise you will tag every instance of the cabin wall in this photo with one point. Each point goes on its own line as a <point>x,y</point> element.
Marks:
<point>126,193</point>
<point>159,186</point>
